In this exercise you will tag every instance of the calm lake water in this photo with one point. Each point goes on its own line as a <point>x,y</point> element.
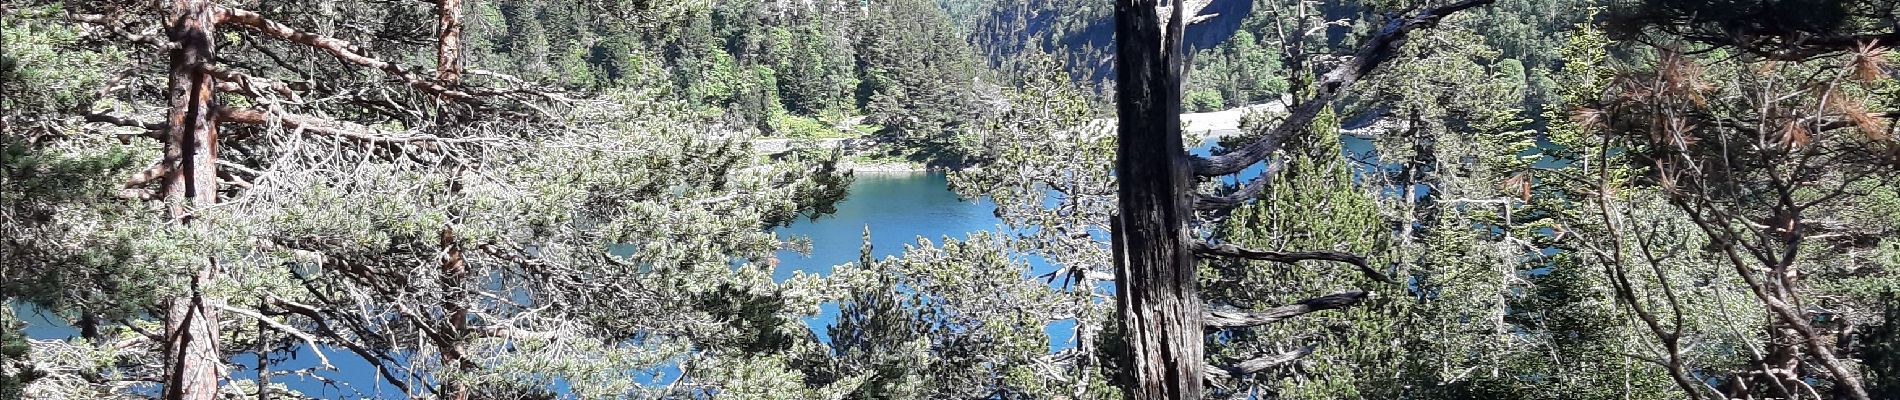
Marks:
<point>897,209</point>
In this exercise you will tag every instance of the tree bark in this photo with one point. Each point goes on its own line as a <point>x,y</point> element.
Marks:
<point>191,134</point>
<point>1236,319</point>
<point>448,49</point>
<point>263,347</point>
<point>1155,287</point>
<point>448,72</point>
<point>193,363</point>
<point>455,311</point>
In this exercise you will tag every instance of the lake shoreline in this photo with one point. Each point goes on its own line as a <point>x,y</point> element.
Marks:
<point>889,167</point>
<point>1206,125</point>
<point>1221,124</point>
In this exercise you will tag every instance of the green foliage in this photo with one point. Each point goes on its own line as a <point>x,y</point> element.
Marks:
<point>793,126</point>
<point>815,63</point>
<point>962,319</point>
<point>1075,32</point>
<point>56,194</point>
<point>915,80</point>
<point>621,227</point>
<point>16,364</point>
<point>1486,311</point>
<point>758,64</point>
<point>965,13</point>
<point>353,234</point>
<point>1763,27</point>
<point>1882,348</point>
<point>770,377</point>
<point>1332,213</point>
<point>1243,70</point>
<point>46,70</point>
<point>1045,163</point>
<point>1203,100</point>
<point>1532,32</point>
<point>1624,202</point>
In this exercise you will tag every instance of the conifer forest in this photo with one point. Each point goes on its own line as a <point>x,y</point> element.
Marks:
<point>950,199</point>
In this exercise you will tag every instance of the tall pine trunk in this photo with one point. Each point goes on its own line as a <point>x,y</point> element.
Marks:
<point>193,363</point>
<point>448,47</point>
<point>448,70</point>
<point>1156,294</point>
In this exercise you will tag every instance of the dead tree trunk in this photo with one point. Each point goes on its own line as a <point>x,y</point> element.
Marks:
<point>1155,289</point>
<point>193,363</point>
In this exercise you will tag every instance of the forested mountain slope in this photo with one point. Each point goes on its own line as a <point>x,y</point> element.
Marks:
<point>894,71</point>
<point>1236,51</point>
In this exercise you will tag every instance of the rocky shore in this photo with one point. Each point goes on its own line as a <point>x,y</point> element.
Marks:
<point>883,167</point>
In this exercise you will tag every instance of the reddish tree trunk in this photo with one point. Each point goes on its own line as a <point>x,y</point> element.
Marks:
<point>1156,294</point>
<point>191,139</point>
<point>193,363</point>
<point>448,49</point>
<point>448,70</point>
<point>454,274</point>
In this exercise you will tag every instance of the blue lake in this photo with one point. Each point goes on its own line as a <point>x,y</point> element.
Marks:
<point>897,209</point>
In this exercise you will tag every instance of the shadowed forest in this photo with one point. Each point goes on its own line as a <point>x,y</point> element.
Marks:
<point>1174,199</point>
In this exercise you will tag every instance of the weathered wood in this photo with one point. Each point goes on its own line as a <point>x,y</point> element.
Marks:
<point>1229,250</point>
<point>454,310</point>
<point>193,363</point>
<point>261,348</point>
<point>1236,319</point>
<point>1156,293</point>
<point>1246,192</point>
<point>1258,364</point>
<point>320,126</point>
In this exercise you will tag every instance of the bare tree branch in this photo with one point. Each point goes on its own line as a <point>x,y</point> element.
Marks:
<point>1236,319</point>
<point>237,82</point>
<point>374,357</point>
<point>113,25</point>
<point>154,127</point>
<point>341,129</point>
<point>511,332</point>
<point>1232,251</point>
<point>1376,51</point>
<point>157,170</point>
<point>1207,202</point>
<point>308,340</point>
<point>343,50</point>
<point>1257,364</point>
